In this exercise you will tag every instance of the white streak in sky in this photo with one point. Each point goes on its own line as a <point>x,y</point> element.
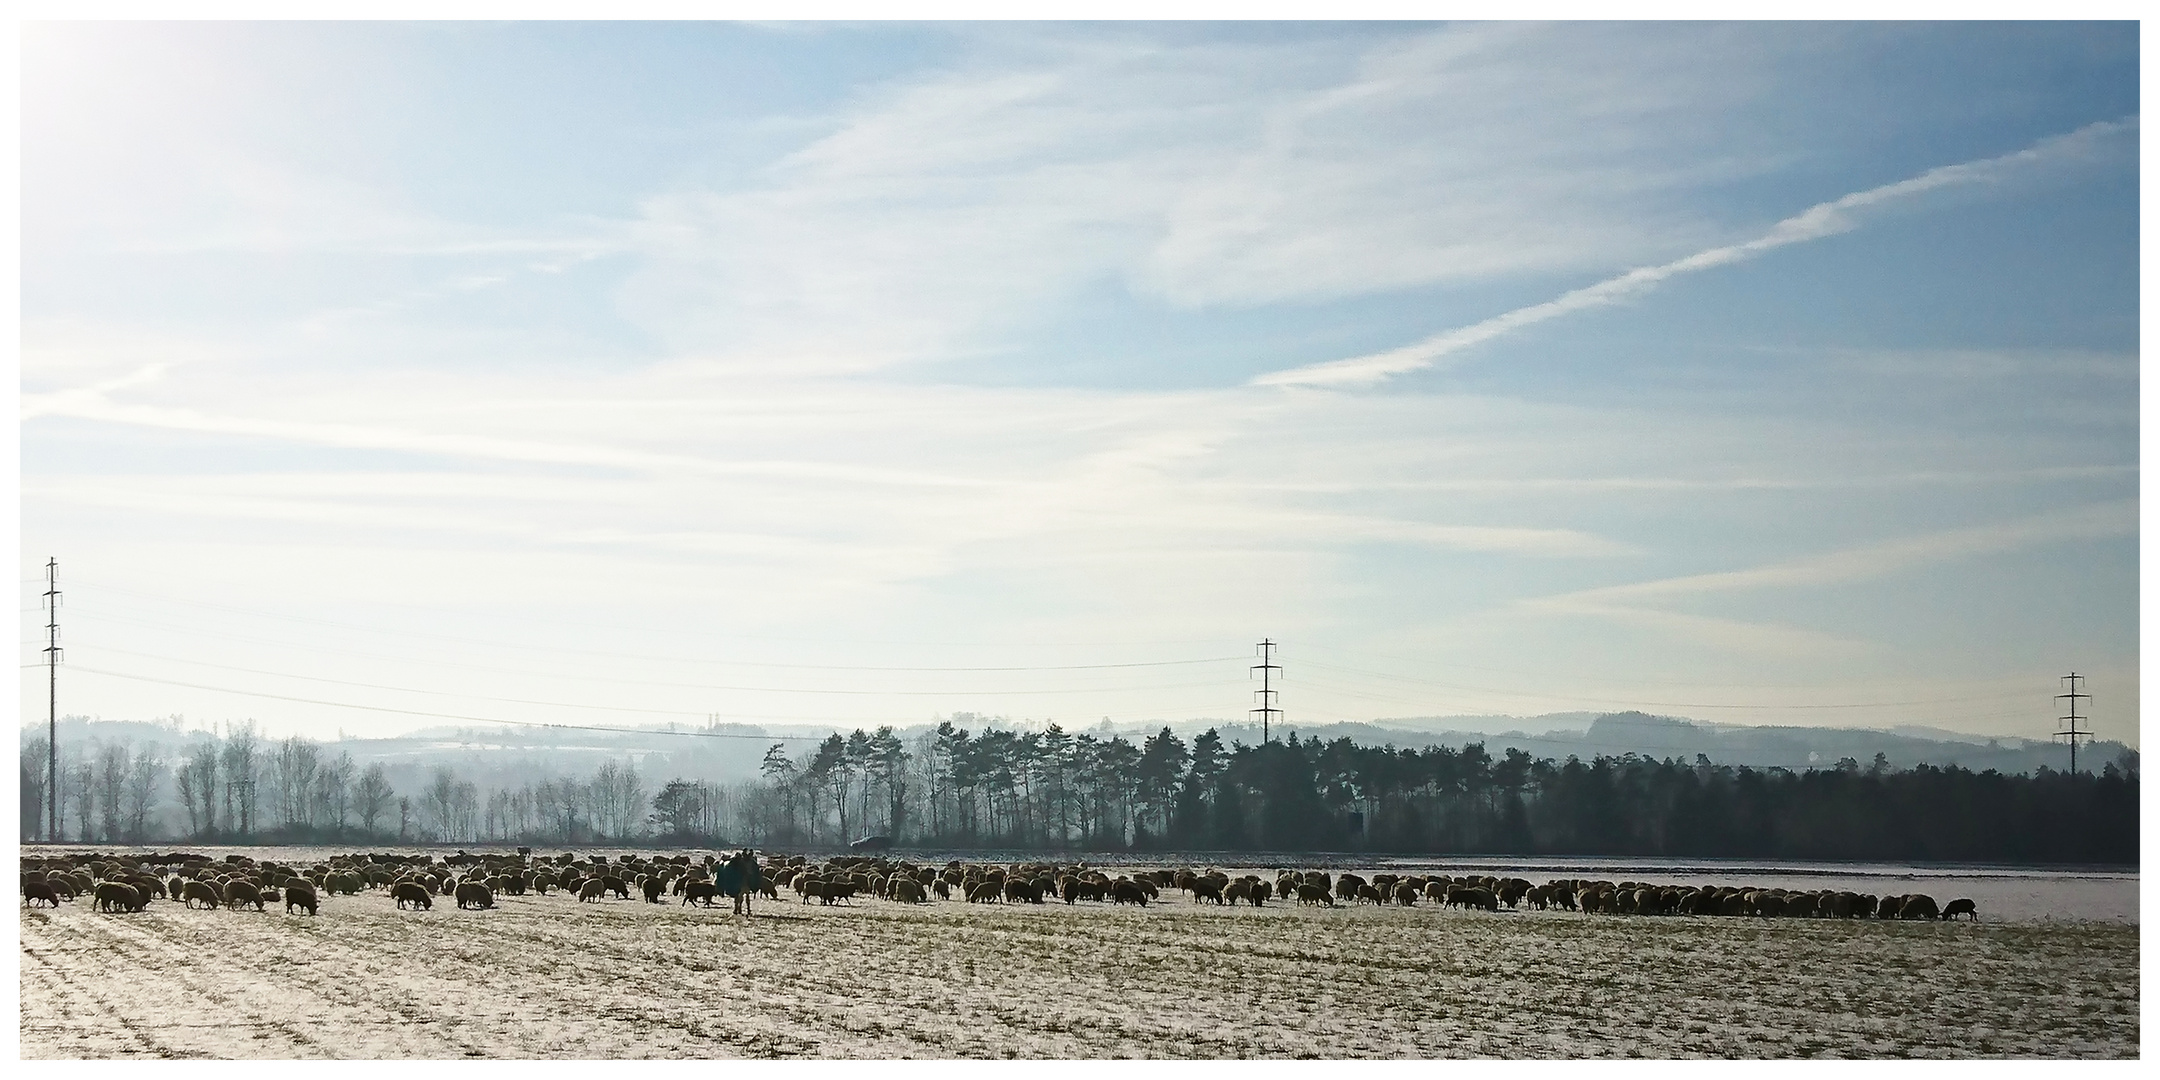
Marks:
<point>1814,223</point>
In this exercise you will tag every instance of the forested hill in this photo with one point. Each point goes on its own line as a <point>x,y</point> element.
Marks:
<point>1002,787</point>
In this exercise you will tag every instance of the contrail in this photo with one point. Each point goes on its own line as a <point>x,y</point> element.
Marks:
<point>1820,220</point>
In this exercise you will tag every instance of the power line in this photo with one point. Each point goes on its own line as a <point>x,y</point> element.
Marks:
<point>681,659</point>
<point>2071,732</point>
<point>52,720</point>
<point>693,686</point>
<point>442,716</point>
<point>1538,696</point>
<point>1267,667</point>
<point>697,633</point>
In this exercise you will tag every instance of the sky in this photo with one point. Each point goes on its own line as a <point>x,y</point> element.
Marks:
<point>374,374</point>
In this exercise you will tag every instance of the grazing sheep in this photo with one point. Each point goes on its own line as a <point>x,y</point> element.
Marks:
<point>699,892</point>
<point>1123,891</point>
<point>1961,906</point>
<point>1022,889</point>
<point>38,890</point>
<point>193,891</point>
<point>1918,906</point>
<point>1205,889</point>
<point>1237,890</point>
<point>298,895</point>
<point>942,889</point>
<point>239,891</point>
<point>413,894</point>
<point>1367,894</point>
<point>654,887</point>
<point>113,896</point>
<point>908,891</point>
<point>1315,894</point>
<point>1406,894</point>
<point>472,894</point>
<point>593,889</point>
<point>985,892</point>
<point>1346,886</point>
<point>617,886</point>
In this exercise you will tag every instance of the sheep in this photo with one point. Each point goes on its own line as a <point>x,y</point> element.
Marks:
<point>908,890</point>
<point>1406,894</point>
<point>116,897</point>
<point>1022,889</point>
<point>696,892</point>
<point>474,895</point>
<point>1237,890</point>
<point>1123,891</point>
<point>1314,894</point>
<point>942,889</point>
<point>1918,906</point>
<point>1961,906</point>
<point>193,891</point>
<point>298,895</point>
<point>1205,889</point>
<point>38,890</point>
<point>1367,894</point>
<point>654,887</point>
<point>986,892</point>
<point>593,889</point>
<point>239,891</point>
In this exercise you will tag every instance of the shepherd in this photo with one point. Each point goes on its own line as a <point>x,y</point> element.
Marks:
<point>740,879</point>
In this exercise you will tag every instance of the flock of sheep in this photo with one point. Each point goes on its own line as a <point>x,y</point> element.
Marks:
<point>126,883</point>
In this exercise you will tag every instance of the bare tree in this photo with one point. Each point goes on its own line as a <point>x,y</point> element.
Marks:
<point>293,769</point>
<point>33,787</point>
<point>142,785</point>
<point>197,782</point>
<point>371,797</point>
<point>240,760</point>
<point>112,776</point>
<point>84,785</point>
<point>437,800</point>
<point>334,790</point>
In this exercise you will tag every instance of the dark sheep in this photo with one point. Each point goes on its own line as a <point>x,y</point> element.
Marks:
<point>239,891</point>
<point>195,891</point>
<point>1315,894</point>
<point>987,892</point>
<point>593,889</point>
<point>38,890</point>
<point>113,896</point>
<point>1961,906</point>
<point>297,895</point>
<point>699,892</point>
<point>654,887</point>
<point>472,894</point>
<point>407,892</point>
<point>1918,906</point>
<point>1123,891</point>
<point>1406,894</point>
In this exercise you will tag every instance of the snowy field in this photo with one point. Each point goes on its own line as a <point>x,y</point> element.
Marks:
<point>551,977</point>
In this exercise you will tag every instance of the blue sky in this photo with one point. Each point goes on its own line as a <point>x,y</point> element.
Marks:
<point>1769,373</point>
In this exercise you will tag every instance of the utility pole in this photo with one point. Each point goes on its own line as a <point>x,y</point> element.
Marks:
<point>1267,667</point>
<point>52,709</point>
<point>2071,732</point>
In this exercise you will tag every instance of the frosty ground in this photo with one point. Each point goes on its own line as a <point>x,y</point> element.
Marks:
<point>551,977</point>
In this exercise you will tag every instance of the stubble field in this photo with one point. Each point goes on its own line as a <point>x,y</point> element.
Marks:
<point>551,977</point>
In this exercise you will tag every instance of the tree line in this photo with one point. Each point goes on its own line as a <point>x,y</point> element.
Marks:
<point>1001,788</point>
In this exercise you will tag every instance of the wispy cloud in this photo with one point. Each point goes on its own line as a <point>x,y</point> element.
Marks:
<point>1816,222</point>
